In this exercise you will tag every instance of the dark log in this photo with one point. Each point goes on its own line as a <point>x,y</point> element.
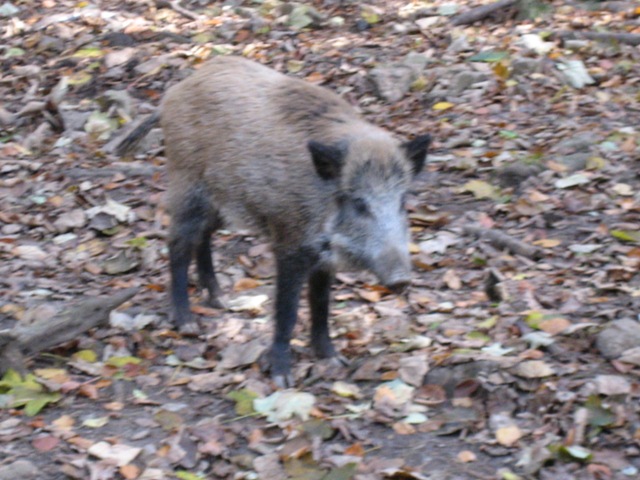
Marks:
<point>67,324</point>
<point>625,38</point>
<point>502,240</point>
<point>481,12</point>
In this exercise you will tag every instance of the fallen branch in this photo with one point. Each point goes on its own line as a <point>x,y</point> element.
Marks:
<point>625,38</point>
<point>175,6</point>
<point>69,323</point>
<point>503,241</point>
<point>479,13</point>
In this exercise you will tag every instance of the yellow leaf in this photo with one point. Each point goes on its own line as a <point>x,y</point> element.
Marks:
<point>86,355</point>
<point>443,105</point>
<point>56,374</point>
<point>501,70</point>
<point>480,189</point>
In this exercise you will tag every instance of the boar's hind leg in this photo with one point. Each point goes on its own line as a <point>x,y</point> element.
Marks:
<point>319,293</point>
<point>188,224</point>
<point>292,270</point>
<point>204,262</point>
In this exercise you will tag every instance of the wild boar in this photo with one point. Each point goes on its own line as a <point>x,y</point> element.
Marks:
<point>294,161</point>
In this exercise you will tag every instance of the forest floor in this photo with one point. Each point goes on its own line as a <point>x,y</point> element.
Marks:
<point>514,355</point>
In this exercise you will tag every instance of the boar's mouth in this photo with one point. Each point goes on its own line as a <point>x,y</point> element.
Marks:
<point>390,271</point>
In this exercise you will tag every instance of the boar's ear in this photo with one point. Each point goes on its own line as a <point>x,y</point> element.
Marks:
<point>416,151</point>
<point>327,159</point>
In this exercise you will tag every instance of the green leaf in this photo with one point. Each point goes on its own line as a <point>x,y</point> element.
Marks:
<point>626,235</point>
<point>14,52</point>
<point>370,16</point>
<point>88,356</point>
<point>138,242</point>
<point>244,401</point>
<point>576,451</point>
<point>508,134</point>
<point>188,476</point>
<point>534,319</point>
<point>488,323</point>
<point>489,56</point>
<point>599,416</point>
<point>120,362</point>
<point>10,379</point>
<point>89,52</point>
<point>34,406</point>
<point>344,472</point>
<point>475,335</point>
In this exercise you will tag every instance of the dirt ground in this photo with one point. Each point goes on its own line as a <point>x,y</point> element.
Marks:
<point>515,353</point>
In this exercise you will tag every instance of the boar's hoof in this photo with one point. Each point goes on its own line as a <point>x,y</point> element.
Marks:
<point>278,361</point>
<point>323,348</point>
<point>284,381</point>
<point>340,360</point>
<point>189,329</point>
<point>398,286</point>
<point>215,302</point>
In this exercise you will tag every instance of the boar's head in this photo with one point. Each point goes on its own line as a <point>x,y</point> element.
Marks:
<point>369,228</point>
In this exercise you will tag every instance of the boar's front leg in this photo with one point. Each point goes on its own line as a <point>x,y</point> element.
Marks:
<point>292,269</point>
<point>319,297</point>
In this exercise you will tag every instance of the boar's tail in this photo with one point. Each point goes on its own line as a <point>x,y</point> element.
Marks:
<point>128,143</point>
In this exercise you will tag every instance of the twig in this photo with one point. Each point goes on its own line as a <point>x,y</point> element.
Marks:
<point>481,12</point>
<point>626,38</point>
<point>502,240</point>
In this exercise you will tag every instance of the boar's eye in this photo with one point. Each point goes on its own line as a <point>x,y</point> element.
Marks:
<point>360,206</point>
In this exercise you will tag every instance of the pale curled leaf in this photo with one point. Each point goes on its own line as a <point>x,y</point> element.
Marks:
<point>284,405</point>
<point>119,453</point>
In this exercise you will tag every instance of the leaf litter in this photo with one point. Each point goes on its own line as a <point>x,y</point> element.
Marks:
<point>504,365</point>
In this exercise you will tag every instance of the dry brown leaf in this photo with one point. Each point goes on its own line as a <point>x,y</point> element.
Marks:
<point>466,456</point>
<point>509,435</point>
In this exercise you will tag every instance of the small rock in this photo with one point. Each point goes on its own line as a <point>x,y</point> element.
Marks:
<point>70,220</point>
<point>575,162</point>
<point>464,80</point>
<point>619,336</point>
<point>459,44</point>
<point>524,66</point>
<point>118,57</point>
<point>393,82</point>
<point>21,469</point>
<point>612,385</point>
<point>51,44</point>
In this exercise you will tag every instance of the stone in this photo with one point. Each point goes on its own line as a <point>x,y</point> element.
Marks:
<point>618,336</point>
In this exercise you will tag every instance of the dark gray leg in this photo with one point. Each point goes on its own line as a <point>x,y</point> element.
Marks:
<point>180,253</point>
<point>188,225</point>
<point>319,297</point>
<point>206,272</point>
<point>292,270</point>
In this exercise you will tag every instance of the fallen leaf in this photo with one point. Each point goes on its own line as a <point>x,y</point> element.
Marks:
<point>466,456</point>
<point>119,453</point>
<point>284,404</point>
<point>509,435</point>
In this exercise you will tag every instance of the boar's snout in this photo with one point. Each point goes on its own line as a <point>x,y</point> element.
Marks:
<point>399,286</point>
<point>394,270</point>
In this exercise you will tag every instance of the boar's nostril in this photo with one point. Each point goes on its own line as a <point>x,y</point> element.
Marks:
<point>398,286</point>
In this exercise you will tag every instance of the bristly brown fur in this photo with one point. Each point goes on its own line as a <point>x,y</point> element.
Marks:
<point>235,123</point>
